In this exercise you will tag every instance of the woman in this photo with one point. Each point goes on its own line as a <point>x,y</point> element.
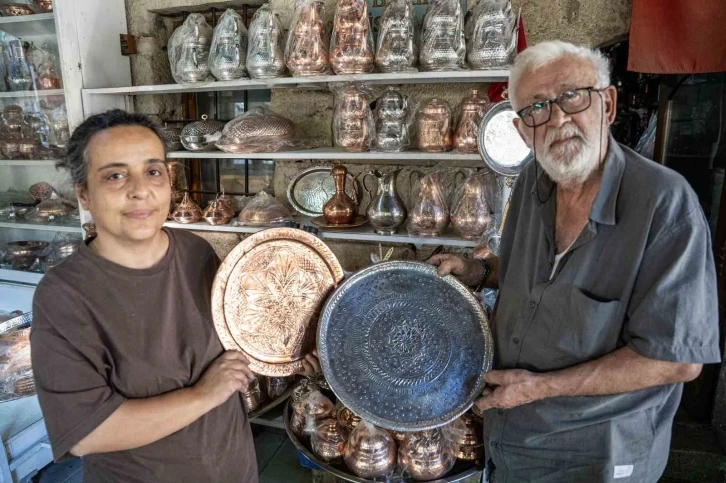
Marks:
<point>129,370</point>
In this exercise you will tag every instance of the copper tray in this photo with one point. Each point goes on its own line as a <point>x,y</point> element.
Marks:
<point>267,297</point>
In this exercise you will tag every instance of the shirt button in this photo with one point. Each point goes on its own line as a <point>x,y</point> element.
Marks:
<point>494,444</point>
<point>531,304</point>
<point>515,340</point>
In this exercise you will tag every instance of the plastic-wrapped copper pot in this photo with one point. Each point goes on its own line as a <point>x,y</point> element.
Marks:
<point>351,46</point>
<point>398,436</point>
<point>228,54</point>
<point>353,123</point>
<point>470,216</point>
<point>217,213</point>
<point>467,434</point>
<point>443,46</point>
<point>187,211</point>
<point>434,127</point>
<point>429,214</point>
<point>308,411</point>
<point>306,52</point>
<point>427,455</point>
<point>328,440</point>
<point>370,451</point>
<point>396,49</point>
<point>266,47</point>
<point>471,112</point>
<point>253,395</point>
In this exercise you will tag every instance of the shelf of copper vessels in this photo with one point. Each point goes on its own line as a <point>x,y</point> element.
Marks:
<point>362,234</point>
<point>28,162</point>
<point>28,25</point>
<point>17,276</point>
<point>416,158</point>
<point>37,93</point>
<point>56,227</point>
<point>312,81</point>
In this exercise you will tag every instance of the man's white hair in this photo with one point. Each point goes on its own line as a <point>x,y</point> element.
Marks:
<point>543,53</point>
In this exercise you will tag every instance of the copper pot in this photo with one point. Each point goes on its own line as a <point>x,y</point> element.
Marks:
<point>328,440</point>
<point>353,125</point>
<point>217,213</point>
<point>302,388</point>
<point>187,211</point>
<point>434,127</point>
<point>352,42</point>
<point>306,52</point>
<point>426,455</point>
<point>253,395</point>
<point>348,418</point>
<point>472,111</point>
<point>429,215</point>
<point>467,433</point>
<point>370,451</point>
<point>308,411</point>
<point>341,209</point>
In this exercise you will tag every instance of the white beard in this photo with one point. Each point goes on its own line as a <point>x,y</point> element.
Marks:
<point>572,163</point>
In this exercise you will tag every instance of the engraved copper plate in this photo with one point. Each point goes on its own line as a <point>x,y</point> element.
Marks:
<point>312,188</point>
<point>267,297</point>
<point>404,348</point>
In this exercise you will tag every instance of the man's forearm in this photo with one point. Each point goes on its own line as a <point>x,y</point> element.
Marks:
<point>138,422</point>
<point>619,372</point>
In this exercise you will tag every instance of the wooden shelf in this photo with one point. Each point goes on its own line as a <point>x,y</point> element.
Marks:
<point>27,225</point>
<point>28,25</point>
<point>316,82</point>
<point>24,94</point>
<point>363,234</point>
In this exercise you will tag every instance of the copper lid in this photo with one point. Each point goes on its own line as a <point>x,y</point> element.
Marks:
<point>435,107</point>
<point>475,102</point>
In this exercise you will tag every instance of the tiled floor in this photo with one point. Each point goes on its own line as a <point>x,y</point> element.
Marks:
<point>276,462</point>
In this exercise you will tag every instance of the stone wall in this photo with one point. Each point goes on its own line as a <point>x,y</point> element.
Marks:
<point>583,21</point>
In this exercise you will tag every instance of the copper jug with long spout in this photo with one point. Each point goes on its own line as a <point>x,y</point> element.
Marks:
<point>341,209</point>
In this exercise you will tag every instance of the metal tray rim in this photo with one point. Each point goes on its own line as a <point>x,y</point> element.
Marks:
<point>491,163</point>
<point>291,189</point>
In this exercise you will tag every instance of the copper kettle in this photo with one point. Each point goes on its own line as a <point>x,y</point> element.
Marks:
<point>341,209</point>
<point>351,49</point>
<point>472,111</point>
<point>306,52</point>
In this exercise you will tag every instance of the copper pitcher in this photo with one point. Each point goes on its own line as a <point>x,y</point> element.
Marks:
<point>434,127</point>
<point>471,112</point>
<point>472,213</point>
<point>426,455</point>
<point>306,52</point>
<point>351,45</point>
<point>353,123</point>
<point>429,214</point>
<point>370,451</point>
<point>341,209</point>
<point>187,211</point>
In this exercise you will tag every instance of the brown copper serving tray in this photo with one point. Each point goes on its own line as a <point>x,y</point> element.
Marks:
<point>267,297</point>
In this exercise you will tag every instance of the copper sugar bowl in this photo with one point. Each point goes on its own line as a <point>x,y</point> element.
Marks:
<point>467,434</point>
<point>426,455</point>
<point>253,395</point>
<point>434,127</point>
<point>353,124</point>
<point>472,111</point>
<point>218,213</point>
<point>328,440</point>
<point>306,52</point>
<point>370,451</point>
<point>308,411</point>
<point>352,46</point>
<point>341,209</point>
<point>187,211</point>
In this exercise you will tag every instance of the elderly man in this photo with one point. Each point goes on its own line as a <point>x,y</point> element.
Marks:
<point>607,289</point>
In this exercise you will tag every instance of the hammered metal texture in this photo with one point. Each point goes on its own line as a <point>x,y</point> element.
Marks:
<point>312,188</point>
<point>267,297</point>
<point>404,348</point>
<point>500,144</point>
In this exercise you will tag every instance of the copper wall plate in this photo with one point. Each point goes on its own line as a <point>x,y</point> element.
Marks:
<point>267,297</point>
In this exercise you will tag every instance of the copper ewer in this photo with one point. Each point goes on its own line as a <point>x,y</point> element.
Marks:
<point>370,451</point>
<point>426,455</point>
<point>434,127</point>
<point>306,52</point>
<point>328,440</point>
<point>351,49</point>
<point>472,111</point>
<point>341,209</point>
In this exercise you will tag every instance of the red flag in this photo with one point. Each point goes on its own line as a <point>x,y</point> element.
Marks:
<point>497,88</point>
<point>677,37</point>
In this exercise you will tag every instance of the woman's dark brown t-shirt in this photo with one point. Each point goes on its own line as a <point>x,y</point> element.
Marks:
<point>103,333</point>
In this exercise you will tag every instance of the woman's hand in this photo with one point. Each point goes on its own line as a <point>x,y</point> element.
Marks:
<point>228,374</point>
<point>311,363</point>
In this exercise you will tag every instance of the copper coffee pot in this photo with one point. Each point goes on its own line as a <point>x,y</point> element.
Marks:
<point>351,49</point>
<point>471,113</point>
<point>353,123</point>
<point>306,52</point>
<point>341,209</point>
<point>434,127</point>
<point>370,451</point>
<point>426,455</point>
<point>328,440</point>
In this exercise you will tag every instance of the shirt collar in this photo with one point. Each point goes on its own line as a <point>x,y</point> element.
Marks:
<point>604,206</point>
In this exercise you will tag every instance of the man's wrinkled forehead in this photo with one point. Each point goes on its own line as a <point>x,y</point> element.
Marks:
<point>554,78</point>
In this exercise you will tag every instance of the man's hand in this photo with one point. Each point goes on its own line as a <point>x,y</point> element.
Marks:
<point>311,363</point>
<point>469,272</point>
<point>510,388</point>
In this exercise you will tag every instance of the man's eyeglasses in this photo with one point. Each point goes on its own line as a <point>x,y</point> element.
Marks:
<point>571,102</point>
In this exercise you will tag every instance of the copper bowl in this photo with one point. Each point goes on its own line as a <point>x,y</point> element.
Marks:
<point>370,452</point>
<point>328,440</point>
<point>426,455</point>
<point>26,249</point>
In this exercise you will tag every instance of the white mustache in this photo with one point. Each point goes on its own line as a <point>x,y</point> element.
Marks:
<point>565,132</point>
